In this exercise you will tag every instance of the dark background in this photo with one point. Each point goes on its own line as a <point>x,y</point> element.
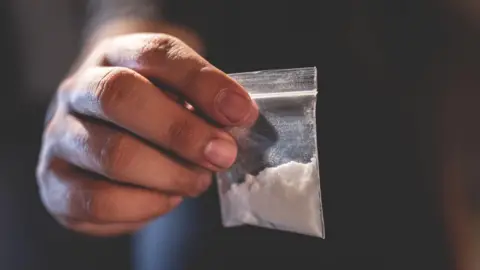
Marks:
<point>40,40</point>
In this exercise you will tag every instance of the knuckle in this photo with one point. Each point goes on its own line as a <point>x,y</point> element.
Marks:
<point>45,164</point>
<point>180,135</point>
<point>92,204</point>
<point>57,199</point>
<point>114,89</point>
<point>55,124</point>
<point>159,48</point>
<point>50,138</point>
<point>99,206</point>
<point>41,170</point>
<point>116,154</point>
<point>160,40</point>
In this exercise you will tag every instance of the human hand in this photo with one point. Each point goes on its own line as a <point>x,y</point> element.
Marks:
<point>120,151</point>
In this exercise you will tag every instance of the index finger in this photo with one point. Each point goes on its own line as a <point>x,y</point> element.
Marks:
<point>170,61</point>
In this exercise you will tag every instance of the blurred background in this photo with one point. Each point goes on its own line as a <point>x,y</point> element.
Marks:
<point>40,40</point>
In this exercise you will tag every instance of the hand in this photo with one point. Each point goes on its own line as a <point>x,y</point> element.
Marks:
<point>120,151</point>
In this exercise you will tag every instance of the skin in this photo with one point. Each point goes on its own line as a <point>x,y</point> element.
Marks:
<point>120,151</point>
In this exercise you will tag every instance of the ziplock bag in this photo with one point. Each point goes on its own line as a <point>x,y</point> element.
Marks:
<point>275,181</point>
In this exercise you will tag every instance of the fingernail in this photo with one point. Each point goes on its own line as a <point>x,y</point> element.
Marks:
<point>234,106</point>
<point>221,153</point>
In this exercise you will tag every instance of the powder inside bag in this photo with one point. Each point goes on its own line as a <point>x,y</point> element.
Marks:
<point>285,197</point>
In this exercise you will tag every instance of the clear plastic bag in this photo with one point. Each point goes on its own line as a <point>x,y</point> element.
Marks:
<point>275,181</point>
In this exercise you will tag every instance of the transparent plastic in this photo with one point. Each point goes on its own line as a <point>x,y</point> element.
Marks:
<point>275,181</point>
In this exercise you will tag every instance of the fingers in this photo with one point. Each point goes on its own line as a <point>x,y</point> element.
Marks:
<point>106,166</point>
<point>72,193</point>
<point>104,230</point>
<point>119,156</point>
<point>169,60</point>
<point>130,101</point>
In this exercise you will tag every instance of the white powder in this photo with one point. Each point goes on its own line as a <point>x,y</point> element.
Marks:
<point>286,197</point>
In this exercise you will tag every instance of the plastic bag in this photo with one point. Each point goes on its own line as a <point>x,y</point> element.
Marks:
<point>275,181</point>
